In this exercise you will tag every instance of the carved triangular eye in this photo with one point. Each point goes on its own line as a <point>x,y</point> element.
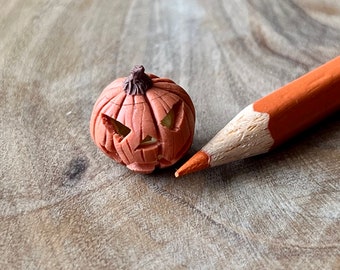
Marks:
<point>170,119</point>
<point>148,140</point>
<point>115,126</point>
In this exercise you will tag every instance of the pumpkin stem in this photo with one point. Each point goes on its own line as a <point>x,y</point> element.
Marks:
<point>137,82</point>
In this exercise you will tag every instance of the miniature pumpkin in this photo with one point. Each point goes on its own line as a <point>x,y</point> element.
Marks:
<point>143,121</point>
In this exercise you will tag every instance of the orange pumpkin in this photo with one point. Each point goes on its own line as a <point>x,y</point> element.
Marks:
<point>143,121</point>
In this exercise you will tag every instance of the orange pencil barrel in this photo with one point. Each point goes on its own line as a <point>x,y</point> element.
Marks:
<point>303,102</point>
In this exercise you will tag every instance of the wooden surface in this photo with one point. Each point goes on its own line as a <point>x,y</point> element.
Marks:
<point>64,205</point>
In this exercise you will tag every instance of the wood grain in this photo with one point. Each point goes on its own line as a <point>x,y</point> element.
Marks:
<point>64,205</point>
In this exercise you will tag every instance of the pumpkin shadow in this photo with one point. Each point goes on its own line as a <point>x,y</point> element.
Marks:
<point>169,172</point>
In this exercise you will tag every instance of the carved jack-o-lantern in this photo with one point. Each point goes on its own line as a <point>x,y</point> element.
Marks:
<point>143,121</point>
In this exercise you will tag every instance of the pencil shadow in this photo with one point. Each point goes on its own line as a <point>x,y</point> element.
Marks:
<point>324,136</point>
<point>258,168</point>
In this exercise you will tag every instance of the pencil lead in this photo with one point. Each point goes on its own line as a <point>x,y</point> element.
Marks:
<point>197,162</point>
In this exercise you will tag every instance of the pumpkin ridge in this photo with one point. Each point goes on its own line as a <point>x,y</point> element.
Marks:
<point>107,141</point>
<point>94,118</point>
<point>107,107</point>
<point>140,123</point>
<point>121,152</point>
<point>112,154</point>
<point>159,92</point>
<point>141,113</point>
<point>165,105</point>
<point>164,101</point>
<point>162,80</point>
<point>172,88</point>
<point>141,128</point>
<point>122,112</point>
<point>129,157</point>
<point>148,102</point>
<point>142,154</point>
<point>129,104</point>
<point>112,92</point>
<point>109,92</point>
<point>119,97</point>
<point>104,141</point>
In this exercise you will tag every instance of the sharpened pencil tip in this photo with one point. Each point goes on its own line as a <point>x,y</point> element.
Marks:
<point>197,162</point>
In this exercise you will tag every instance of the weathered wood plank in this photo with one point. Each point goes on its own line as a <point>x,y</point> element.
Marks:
<point>64,205</point>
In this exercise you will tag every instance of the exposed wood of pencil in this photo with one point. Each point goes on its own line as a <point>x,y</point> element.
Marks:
<point>273,119</point>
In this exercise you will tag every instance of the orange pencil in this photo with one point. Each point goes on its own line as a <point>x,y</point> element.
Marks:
<point>273,119</point>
